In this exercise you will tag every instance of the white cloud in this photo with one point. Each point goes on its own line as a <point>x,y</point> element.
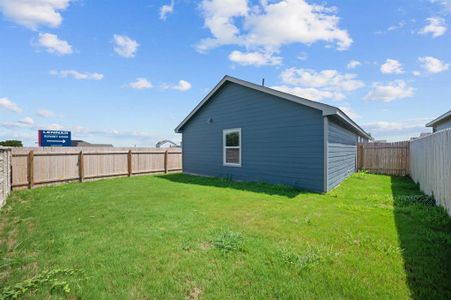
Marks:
<point>33,13</point>
<point>9,105</point>
<point>436,26</point>
<point>269,26</point>
<point>353,64</point>
<point>45,113</point>
<point>125,46</point>
<point>309,93</point>
<point>166,9</point>
<point>54,127</point>
<point>446,4</point>
<point>254,58</point>
<point>391,66</point>
<point>432,64</point>
<point>391,91</point>
<point>24,123</point>
<point>416,73</point>
<point>218,18</point>
<point>397,130</point>
<point>181,86</point>
<point>77,75</point>
<point>400,25</point>
<point>350,112</point>
<point>395,27</point>
<point>140,84</point>
<point>315,85</point>
<point>384,125</point>
<point>114,133</point>
<point>27,121</point>
<point>53,44</point>
<point>325,78</point>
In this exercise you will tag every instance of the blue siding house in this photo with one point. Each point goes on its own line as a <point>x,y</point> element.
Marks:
<point>244,131</point>
<point>441,123</point>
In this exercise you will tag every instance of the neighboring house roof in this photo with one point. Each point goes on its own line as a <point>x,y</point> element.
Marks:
<point>81,143</point>
<point>161,143</point>
<point>440,119</point>
<point>327,110</point>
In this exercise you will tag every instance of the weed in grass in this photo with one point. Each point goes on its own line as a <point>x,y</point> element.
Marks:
<point>228,241</point>
<point>361,175</point>
<point>402,200</point>
<point>51,278</point>
<point>188,245</point>
<point>307,259</point>
<point>127,247</point>
<point>308,220</point>
<point>370,243</point>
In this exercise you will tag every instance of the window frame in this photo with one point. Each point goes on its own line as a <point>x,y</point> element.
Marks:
<point>225,147</point>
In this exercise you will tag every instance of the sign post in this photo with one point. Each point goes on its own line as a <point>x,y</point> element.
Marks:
<point>51,138</point>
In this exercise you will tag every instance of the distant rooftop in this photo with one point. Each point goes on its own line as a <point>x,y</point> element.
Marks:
<point>81,143</point>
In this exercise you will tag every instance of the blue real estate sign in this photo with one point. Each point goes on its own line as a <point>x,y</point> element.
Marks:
<point>48,138</point>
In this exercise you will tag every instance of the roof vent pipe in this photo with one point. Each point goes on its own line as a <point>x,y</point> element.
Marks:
<point>263,81</point>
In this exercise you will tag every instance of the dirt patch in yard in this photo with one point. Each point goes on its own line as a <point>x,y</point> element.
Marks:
<point>195,293</point>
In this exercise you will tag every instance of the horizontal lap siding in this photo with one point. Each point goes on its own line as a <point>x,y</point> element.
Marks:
<point>282,142</point>
<point>444,125</point>
<point>341,154</point>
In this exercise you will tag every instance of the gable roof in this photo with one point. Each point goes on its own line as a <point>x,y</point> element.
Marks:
<point>439,119</point>
<point>327,110</point>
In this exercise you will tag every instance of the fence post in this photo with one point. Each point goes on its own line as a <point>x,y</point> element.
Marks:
<point>362,157</point>
<point>81,166</point>
<point>129,163</point>
<point>30,165</point>
<point>166,162</point>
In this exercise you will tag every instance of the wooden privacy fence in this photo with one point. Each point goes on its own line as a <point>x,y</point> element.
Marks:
<point>39,166</point>
<point>5,174</point>
<point>384,158</point>
<point>431,166</point>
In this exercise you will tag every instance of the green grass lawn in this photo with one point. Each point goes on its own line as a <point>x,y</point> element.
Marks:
<point>186,237</point>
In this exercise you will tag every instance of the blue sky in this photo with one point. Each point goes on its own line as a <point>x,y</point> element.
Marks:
<point>127,72</point>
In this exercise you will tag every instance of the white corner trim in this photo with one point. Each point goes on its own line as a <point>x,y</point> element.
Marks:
<point>326,153</point>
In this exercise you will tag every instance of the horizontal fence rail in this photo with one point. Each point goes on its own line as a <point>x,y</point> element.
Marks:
<point>384,158</point>
<point>41,166</point>
<point>431,166</point>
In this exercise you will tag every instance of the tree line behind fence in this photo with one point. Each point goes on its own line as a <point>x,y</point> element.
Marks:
<point>40,166</point>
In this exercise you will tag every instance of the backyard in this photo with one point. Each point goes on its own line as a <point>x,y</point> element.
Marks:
<point>183,237</point>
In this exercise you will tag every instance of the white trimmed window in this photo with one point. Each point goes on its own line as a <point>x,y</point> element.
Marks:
<point>232,147</point>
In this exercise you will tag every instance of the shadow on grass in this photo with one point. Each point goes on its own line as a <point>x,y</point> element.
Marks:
<point>266,188</point>
<point>424,232</point>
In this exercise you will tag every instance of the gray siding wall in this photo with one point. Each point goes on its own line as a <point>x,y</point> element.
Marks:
<point>444,125</point>
<point>341,154</point>
<point>282,142</point>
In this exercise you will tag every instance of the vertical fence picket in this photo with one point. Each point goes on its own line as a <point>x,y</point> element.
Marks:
<point>41,166</point>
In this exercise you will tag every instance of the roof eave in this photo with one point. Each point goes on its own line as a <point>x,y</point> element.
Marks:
<point>439,119</point>
<point>348,120</point>
<point>324,108</point>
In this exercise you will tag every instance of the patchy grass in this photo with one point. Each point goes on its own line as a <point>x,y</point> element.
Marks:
<point>186,237</point>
